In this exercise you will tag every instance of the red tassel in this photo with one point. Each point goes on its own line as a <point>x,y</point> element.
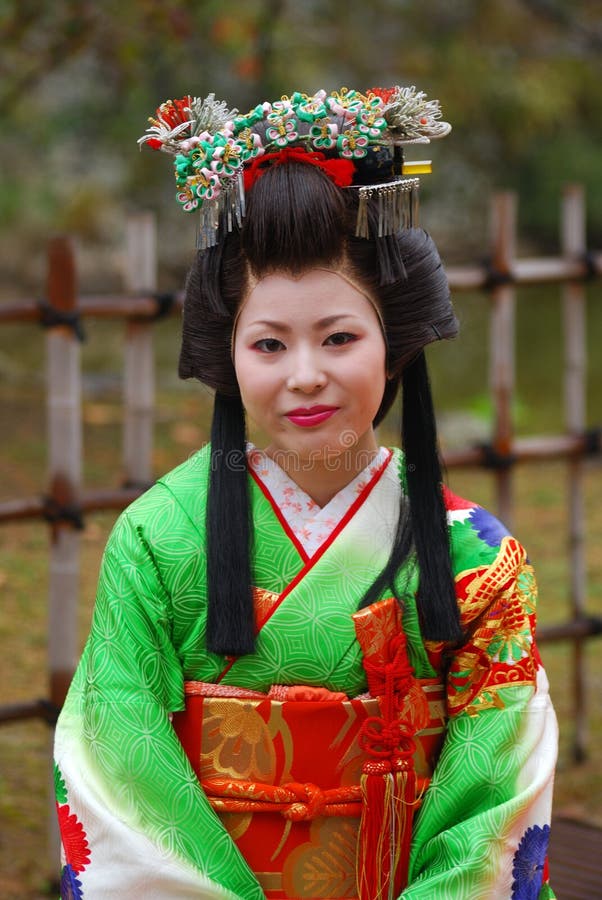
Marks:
<point>385,835</point>
<point>375,834</point>
<point>405,804</point>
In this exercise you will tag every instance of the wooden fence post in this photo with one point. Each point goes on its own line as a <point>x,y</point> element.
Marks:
<point>65,468</point>
<point>573,242</point>
<point>64,475</point>
<point>139,362</point>
<point>502,337</point>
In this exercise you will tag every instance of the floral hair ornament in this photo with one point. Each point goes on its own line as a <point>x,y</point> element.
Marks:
<point>356,139</point>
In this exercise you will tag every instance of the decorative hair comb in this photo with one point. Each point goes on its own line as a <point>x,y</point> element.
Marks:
<point>356,139</point>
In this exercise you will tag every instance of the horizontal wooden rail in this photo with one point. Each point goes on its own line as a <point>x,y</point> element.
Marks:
<point>105,306</point>
<point>32,709</point>
<point>88,501</point>
<point>586,626</point>
<point>527,449</point>
<point>535,270</point>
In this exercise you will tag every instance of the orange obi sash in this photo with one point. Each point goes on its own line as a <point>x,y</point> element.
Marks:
<point>286,772</point>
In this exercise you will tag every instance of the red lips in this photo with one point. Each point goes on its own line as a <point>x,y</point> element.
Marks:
<point>310,411</point>
<point>310,416</point>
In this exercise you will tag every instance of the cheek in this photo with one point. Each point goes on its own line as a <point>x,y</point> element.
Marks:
<point>253,379</point>
<point>370,392</point>
<point>243,366</point>
<point>370,372</point>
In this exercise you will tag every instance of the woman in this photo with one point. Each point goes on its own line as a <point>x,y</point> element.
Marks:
<point>311,670</point>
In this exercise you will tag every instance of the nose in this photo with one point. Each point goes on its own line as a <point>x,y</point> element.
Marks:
<point>305,374</point>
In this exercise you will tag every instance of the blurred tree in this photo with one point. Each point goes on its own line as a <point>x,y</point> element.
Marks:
<point>519,80</point>
<point>36,40</point>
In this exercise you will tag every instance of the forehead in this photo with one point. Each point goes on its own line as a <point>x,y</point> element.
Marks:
<point>316,294</point>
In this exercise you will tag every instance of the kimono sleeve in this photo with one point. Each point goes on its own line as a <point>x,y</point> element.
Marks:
<point>483,828</point>
<point>134,820</point>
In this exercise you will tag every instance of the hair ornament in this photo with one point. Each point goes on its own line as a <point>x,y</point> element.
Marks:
<point>340,171</point>
<point>397,206</point>
<point>356,139</point>
<point>410,116</point>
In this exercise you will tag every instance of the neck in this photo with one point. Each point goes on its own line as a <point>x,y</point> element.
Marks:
<point>324,477</point>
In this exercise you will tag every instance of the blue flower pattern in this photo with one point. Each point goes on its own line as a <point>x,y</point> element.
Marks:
<point>528,863</point>
<point>490,530</point>
<point>71,886</point>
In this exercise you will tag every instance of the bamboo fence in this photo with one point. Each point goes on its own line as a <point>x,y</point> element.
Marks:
<point>66,502</point>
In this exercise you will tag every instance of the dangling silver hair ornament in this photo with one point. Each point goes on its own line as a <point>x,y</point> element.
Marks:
<point>213,144</point>
<point>397,206</point>
<point>217,217</point>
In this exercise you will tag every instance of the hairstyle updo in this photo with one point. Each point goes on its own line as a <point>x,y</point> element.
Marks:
<point>297,219</point>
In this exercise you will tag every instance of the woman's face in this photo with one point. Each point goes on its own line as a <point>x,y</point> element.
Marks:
<point>309,355</point>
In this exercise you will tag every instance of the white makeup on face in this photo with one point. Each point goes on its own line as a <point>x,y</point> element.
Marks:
<point>309,355</point>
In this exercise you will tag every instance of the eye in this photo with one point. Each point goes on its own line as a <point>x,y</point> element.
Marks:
<point>340,338</point>
<point>268,345</point>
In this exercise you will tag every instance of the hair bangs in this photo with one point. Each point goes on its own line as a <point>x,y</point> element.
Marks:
<point>296,219</point>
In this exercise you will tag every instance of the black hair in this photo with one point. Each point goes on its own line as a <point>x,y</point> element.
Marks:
<point>297,219</point>
<point>230,625</point>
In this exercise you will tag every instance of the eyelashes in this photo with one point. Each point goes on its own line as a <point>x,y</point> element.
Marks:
<point>274,345</point>
<point>268,345</point>
<point>340,338</point>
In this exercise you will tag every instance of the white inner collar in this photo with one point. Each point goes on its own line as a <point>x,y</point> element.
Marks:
<point>310,523</point>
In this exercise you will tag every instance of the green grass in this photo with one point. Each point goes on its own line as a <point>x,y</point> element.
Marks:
<point>182,417</point>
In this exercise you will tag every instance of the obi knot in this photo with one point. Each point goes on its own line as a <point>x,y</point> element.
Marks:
<point>311,803</point>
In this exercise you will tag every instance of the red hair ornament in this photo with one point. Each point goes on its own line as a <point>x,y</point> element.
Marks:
<point>340,171</point>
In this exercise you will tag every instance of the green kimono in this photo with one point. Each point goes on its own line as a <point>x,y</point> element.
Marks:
<point>135,821</point>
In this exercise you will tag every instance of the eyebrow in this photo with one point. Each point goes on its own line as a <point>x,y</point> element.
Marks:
<point>321,323</point>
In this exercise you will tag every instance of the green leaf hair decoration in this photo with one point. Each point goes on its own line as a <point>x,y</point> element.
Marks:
<point>212,143</point>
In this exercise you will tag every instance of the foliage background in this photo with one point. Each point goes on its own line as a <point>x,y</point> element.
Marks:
<point>521,82</point>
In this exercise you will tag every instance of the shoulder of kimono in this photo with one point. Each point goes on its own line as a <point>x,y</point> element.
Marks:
<point>190,474</point>
<point>475,534</point>
<point>183,490</point>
